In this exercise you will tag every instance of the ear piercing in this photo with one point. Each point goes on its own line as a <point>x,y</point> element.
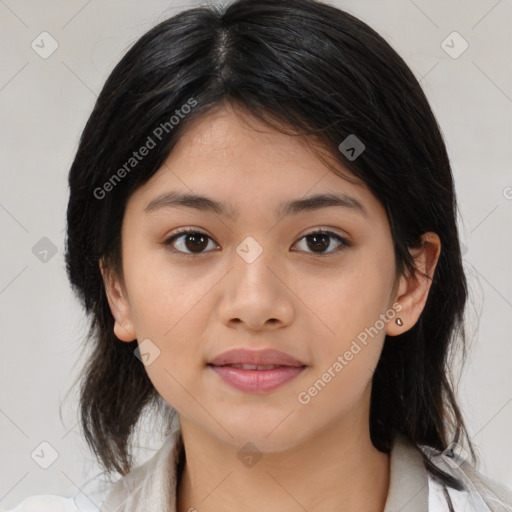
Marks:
<point>399,322</point>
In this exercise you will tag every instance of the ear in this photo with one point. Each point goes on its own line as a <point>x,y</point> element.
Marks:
<point>413,289</point>
<point>118,302</point>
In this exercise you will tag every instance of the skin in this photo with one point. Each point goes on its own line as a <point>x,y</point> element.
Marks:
<point>316,456</point>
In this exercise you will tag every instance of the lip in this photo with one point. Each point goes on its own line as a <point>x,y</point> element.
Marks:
<point>254,380</point>
<point>257,381</point>
<point>259,357</point>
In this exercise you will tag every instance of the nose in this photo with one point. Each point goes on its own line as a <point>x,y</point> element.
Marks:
<point>256,294</point>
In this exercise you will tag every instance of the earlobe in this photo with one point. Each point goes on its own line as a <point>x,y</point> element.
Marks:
<point>118,302</point>
<point>413,289</point>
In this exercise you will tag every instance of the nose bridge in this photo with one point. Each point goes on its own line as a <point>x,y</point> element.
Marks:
<point>252,261</point>
<point>254,295</point>
<point>250,250</point>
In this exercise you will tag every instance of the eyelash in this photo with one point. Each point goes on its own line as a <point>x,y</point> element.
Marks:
<point>184,231</point>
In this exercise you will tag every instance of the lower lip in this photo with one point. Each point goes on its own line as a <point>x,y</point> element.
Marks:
<point>257,381</point>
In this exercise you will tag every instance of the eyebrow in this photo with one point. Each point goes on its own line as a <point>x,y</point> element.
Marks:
<point>291,207</point>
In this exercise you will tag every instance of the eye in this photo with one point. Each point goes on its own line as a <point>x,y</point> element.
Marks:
<point>189,238</point>
<point>194,241</point>
<point>321,240</point>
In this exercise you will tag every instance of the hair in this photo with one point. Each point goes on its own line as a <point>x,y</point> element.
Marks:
<point>307,69</point>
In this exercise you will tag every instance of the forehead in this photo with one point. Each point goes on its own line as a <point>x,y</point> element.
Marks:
<point>229,155</point>
<point>232,139</point>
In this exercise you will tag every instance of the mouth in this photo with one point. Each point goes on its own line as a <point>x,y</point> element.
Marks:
<point>256,371</point>
<point>254,366</point>
<point>253,378</point>
<point>260,358</point>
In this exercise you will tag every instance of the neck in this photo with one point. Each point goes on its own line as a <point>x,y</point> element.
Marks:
<point>338,469</point>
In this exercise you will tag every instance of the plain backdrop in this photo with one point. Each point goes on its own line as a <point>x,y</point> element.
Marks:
<point>45,101</point>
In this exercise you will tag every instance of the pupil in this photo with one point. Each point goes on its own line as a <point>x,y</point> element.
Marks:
<point>319,244</point>
<point>198,241</point>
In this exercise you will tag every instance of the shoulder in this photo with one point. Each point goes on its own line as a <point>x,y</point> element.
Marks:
<point>102,490</point>
<point>89,498</point>
<point>479,493</point>
<point>45,503</point>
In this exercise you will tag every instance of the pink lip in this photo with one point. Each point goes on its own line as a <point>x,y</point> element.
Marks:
<point>259,357</point>
<point>256,381</point>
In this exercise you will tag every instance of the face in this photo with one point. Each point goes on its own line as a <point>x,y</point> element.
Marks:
<point>315,282</point>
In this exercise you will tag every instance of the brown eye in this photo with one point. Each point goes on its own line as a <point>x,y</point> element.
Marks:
<point>192,241</point>
<point>320,241</point>
<point>189,241</point>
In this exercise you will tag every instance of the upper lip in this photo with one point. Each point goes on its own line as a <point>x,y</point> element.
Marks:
<point>255,357</point>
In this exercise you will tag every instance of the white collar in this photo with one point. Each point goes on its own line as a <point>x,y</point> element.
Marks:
<point>153,485</point>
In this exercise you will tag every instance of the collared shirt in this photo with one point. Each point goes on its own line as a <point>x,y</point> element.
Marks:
<point>152,486</point>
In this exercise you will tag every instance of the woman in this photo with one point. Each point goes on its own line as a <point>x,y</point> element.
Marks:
<point>262,227</point>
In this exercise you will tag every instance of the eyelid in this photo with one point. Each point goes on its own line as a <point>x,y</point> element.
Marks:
<point>324,229</point>
<point>332,233</point>
<point>168,241</point>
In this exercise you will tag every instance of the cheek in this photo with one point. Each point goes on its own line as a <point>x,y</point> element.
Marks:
<point>178,360</point>
<point>349,329</point>
<point>348,303</point>
<point>161,294</point>
<point>170,318</point>
<point>348,345</point>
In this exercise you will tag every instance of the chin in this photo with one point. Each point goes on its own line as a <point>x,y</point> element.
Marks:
<point>267,436</point>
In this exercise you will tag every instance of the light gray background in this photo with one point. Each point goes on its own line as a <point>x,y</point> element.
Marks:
<point>44,106</point>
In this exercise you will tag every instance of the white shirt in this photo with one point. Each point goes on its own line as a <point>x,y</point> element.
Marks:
<point>152,487</point>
